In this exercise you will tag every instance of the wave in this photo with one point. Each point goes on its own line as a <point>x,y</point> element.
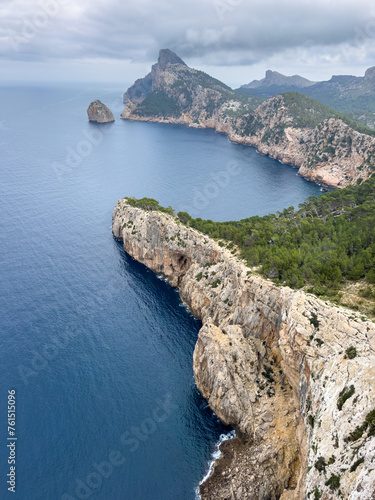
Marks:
<point>214,456</point>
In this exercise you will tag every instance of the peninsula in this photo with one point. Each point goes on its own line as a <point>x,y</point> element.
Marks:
<point>326,146</point>
<point>293,374</point>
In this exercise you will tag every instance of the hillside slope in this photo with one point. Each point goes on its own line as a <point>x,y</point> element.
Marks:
<point>325,146</point>
<point>352,95</point>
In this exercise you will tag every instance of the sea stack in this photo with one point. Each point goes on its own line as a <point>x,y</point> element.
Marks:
<point>98,112</point>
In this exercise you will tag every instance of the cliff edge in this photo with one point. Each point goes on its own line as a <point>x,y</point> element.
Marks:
<point>292,374</point>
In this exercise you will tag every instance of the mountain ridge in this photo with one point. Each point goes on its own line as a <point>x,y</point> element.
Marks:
<point>352,95</point>
<point>274,78</point>
<point>290,127</point>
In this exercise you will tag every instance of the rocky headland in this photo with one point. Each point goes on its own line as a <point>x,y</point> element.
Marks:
<point>99,113</point>
<point>294,375</point>
<point>325,146</point>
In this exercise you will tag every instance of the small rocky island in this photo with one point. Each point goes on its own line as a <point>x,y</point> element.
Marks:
<point>99,113</point>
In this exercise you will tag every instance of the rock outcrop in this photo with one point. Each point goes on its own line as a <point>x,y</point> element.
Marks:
<point>292,374</point>
<point>290,127</point>
<point>98,112</point>
<point>330,153</point>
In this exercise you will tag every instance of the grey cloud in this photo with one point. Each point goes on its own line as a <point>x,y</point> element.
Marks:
<point>246,33</point>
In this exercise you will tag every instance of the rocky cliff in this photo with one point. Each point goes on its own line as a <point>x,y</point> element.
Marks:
<point>292,374</point>
<point>351,95</point>
<point>290,127</point>
<point>297,131</point>
<point>98,112</point>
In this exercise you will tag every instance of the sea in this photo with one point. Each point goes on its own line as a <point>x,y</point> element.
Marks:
<point>96,350</point>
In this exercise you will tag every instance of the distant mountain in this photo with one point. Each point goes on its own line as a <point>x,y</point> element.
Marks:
<point>326,146</point>
<point>278,82</point>
<point>173,91</point>
<point>352,95</point>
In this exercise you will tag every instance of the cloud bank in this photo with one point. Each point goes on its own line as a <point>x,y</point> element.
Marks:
<point>210,33</point>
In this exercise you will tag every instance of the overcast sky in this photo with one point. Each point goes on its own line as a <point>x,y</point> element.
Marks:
<point>116,41</point>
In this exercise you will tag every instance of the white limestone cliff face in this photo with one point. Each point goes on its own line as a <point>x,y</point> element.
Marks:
<point>272,363</point>
<point>331,154</point>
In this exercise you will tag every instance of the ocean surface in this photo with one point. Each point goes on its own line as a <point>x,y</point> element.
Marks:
<point>97,348</point>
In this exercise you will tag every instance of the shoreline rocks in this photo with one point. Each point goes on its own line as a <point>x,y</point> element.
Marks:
<point>273,363</point>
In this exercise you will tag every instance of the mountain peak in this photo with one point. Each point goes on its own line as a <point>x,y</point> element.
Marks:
<point>274,78</point>
<point>270,74</point>
<point>370,73</point>
<point>166,57</point>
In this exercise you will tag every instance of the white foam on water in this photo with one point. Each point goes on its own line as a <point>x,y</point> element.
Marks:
<point>215,455</point>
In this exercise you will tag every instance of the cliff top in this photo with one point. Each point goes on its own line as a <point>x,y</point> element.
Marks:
<point>166,57</point>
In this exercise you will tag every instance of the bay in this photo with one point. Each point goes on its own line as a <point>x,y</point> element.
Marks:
<point>98,348</point>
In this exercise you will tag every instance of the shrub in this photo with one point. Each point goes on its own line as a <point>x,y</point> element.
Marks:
<point>333,482</point>
<point>344,395</point>
<point>351,352</point>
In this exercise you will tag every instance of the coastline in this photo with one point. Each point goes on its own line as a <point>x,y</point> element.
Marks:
<point>339,172</point>
<point>216,455</point>
<point>252,329</point>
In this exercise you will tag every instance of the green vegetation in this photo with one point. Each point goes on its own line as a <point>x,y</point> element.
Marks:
<point>328,241</point>
<point>344,395</point>
<point>356,464</point>
<point>333,482</point>
<point>353,97</point>
<point>320,464</point>
<point>148,204</point>
<point>368,424</point>
<point>351,352</point>
<point>317,494</point>
<point>308,113</point>
<point>159,104</point>
<point>314,320</point>
<point>324,246</point>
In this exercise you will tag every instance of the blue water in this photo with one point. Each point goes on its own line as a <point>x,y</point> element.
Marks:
<point>98,348</point>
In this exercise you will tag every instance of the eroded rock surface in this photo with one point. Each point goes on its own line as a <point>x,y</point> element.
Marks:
<point>292,374</point>
<point>325,149</point>
<point>98,112</point>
